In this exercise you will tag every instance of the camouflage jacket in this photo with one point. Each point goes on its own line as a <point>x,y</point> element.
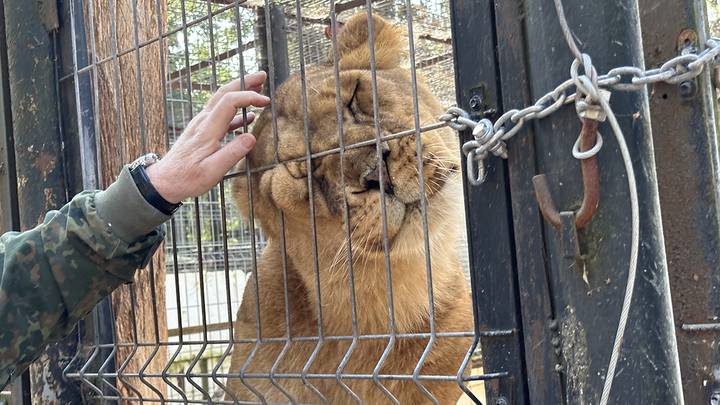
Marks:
<point>53,275</point>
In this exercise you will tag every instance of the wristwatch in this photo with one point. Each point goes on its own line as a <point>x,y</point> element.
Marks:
<point>148,191</point>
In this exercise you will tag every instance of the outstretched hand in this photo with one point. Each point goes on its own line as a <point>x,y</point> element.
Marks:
<point>198,160</point>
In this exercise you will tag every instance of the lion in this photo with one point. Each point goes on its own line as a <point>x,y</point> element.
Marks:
<point>306,258</point>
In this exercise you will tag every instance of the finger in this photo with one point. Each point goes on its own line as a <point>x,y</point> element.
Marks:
<point>192,126</point>
<point>240,121</point>
<point>252,82</point>
<point>217,123</point>
<point>229,155</point>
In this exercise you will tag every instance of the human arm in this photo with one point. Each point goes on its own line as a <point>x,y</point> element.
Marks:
<point>53,275</point>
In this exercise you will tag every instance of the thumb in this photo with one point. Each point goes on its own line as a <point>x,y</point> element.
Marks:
<point>230,154</point>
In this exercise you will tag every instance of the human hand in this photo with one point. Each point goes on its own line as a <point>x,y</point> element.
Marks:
<point>198,161</point>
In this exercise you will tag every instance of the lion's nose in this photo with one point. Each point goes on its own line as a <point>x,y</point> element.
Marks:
<point>372,179</point>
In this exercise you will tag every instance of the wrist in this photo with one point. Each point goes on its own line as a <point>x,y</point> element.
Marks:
<point>162,185</point>
<point>148,189</point>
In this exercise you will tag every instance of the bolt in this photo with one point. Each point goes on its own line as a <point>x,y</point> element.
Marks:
<point>502,401</point>
<point>688,89</point>
<point>476,103</point>
<point>555,341</point>
<point>553,325</point>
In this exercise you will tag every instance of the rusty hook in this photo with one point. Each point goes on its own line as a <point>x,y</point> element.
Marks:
<point>591,183</point>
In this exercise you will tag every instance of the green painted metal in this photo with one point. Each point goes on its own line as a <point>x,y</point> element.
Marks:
<point>38,157</point>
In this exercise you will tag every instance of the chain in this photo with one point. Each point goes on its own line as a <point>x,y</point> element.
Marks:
<point>490,138</point>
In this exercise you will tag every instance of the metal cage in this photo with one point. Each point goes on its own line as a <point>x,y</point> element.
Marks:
<point>182,355</point>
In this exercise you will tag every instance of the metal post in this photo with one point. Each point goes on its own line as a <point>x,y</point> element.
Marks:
<point>496,50</point>
<point>686,151</point>
<point>9,214</point>
<point>41,184</point>
<point>588,312</point>
<point>79,134</point>
<point>9,210</point>
<point>488,211</point>
<point>279,45</point>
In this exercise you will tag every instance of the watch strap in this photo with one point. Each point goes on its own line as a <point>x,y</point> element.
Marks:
<point>149,192</point>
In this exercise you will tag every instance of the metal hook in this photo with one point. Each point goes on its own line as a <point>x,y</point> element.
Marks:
<point>591,196</point>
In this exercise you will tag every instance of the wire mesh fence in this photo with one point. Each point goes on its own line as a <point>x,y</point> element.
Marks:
<point>310,294</point>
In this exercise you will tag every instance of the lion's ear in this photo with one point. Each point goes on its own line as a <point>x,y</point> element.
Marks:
<point>354,49</point>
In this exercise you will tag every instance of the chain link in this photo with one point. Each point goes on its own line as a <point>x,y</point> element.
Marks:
<point>489,138</point>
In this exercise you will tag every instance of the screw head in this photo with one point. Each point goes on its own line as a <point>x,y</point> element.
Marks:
<point>502,401</point>
<point>688,89</point>
<point>476,103</point>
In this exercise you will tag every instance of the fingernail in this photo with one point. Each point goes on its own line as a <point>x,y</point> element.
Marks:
<point>248,141</point>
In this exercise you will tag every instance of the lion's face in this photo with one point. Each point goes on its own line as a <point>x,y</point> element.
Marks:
<point>356,176</point>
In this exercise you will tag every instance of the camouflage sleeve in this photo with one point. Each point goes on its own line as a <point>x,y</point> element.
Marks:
<point>54,275</point>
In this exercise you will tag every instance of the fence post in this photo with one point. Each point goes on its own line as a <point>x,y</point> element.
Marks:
<point>488,213</point>
<point>588,311</point>
<point>686,151</point>
<point>9,210</point>
<point>40,171</point>
<point>273,43</point>
<point>508,54</point>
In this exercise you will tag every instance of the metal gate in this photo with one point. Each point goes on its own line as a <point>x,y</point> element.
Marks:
<point>106,80</point>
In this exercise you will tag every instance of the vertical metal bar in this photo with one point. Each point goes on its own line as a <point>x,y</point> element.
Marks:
<point>383,209</point>
<point>196,203</point>
<point>143,146</point>
<point>423,206</point>
<point>686,154</point>
<point>9,210</point>
<point>275,78</point>
<point>538,324</point>
<point>228,295</point>
<point>273,47</point>
<point>178,304</point>
<point>346,210</point>
<point>116,79</point>
<point>134,347</point>
<point>138,78</point>
<point>311,201</point>
<point>156,329</point>
<point>186,54</point>
<point>86,101</point>
<point>163,81</point>
<point>494,287</point>
<point>588,312</point>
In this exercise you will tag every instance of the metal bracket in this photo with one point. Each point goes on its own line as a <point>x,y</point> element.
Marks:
<point>478,103</point>
<point>568,222</point>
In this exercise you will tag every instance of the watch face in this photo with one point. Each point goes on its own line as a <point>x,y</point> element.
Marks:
<point>145,160</point>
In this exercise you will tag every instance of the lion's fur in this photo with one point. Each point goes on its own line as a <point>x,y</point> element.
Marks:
<point>281,202</point>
